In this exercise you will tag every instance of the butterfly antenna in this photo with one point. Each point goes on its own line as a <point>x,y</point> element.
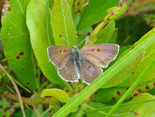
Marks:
<point>83,41</point>
<point>66,40</point>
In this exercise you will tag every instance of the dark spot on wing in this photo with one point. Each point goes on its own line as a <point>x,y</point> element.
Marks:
<point>118,93</point>
<point>133,72</point>
<point>135,94</point>
<point>147,87</point>
<point>113,99</point>
<point>98,49</point>
<point>21,53</point>
<point>89,67</point>
<point>17,57</point>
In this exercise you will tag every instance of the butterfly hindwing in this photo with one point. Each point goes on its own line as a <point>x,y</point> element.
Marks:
<point>59,55</point>
<point>89,71</point>
<point>68,73</point>
<point>100,54</point>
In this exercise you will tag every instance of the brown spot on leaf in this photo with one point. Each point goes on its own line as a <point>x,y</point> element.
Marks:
<point>9,9</point>
<point>36,75</point>
<point>78,3</point>
<point>73,4</point>
<point>79,11</point>
<point>118,93</point>
<point>113,99</point>
<point>139,90</point>
<point>7,108</point>
<point>22,69</point>
<point>135,94</point>
<point>127,88</point>
<point>17,57</point>
<point>154,84</point>
<point>147,87</point>
<point>1,98</point>
<point>151,22</point>
<point>133,47</point>
<point>21,53</point>
<point>28,83</point>
<point>136,114</point>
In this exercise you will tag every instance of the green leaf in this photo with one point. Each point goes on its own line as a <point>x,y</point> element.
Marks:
<point>101,80</point>
<point>16,42</point>
<point>94,12</point>
<point>115,93</point>
<point>124,73</point>
<point>141,109</point>
<point>38,22</point>
<point>62,24</point>
<point>137,106</point>
<point>105,34</point>
<point>150,19</point>
<point>77,7</point>
<point>6,107</point>
<point>57,93</point>
<point>149,55</point>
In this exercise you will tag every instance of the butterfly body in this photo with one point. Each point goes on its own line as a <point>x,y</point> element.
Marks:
<point>85,63</point>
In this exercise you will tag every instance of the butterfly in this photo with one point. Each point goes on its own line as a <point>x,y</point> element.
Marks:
<point>86,63</point>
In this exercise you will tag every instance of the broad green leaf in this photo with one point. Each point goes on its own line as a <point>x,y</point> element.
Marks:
<point>124,73</point>
<point>105,34</point>
<point>62,24</point>
<point>77,7</point>
<point>16,42</point>
<point>136,106</point>
<point>114,13</point>
<point>101,80</point>
<point>57,93</point>
<point>94,12</point>
<point>133,70</point>
<point>150,19</point>
<point>149,55</point>
<point>38,22</point>
<point>6,107</point>
<point>115,93</point>
<point>131,29</point>
<point>142,109</point>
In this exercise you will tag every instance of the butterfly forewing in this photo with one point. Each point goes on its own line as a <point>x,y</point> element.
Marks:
<point>100,54</point>
<point>89,71</point>
<point>68,73</point>
<point>59,55</point>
